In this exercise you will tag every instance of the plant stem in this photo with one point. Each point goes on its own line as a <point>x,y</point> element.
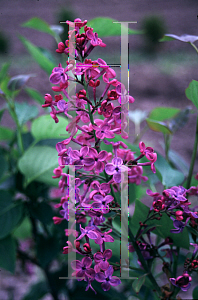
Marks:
<point>144,264</point>
<point>11,108</point>
<point>193,158</point>
<point>194,47</point>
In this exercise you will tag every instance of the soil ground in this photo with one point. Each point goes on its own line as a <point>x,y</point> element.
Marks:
<point>158,80</point>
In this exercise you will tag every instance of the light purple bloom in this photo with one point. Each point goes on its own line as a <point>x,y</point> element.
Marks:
<point>103,200</point>
<point>58,75</point>
<point>82,268</point>
<point>179,225</point>
<point>107,279</point>
<point>104,237</point>
<point>96,160</point>
<point>78,156</point>
<point>87,231</point>
<point>115,168</point>
<point>177,192</point>
<point>104,131</point>
<point>101,260</point>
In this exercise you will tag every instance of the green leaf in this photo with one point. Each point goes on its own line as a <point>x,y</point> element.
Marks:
<point>23,231</point>
<point>1,113</point>
<point>170,177</point>
<point>138,283</point>
<point>179,120</point>
<point>158,126</point>
<point>47,54</point>
<point>38,24</point>
<point>43,61</point>
<point>47,249</point>
<point>163,230</point>
<point>166,39</point>
<point>38,164</point>
<point>192,92</point>
<point>35,95</point>
<point>8,254</point>
<point>10,213</point>
<point>17,82</point>
<point>25,112</point>
<point>45,128</point>
<point>178,162</point>
<point>163,113</point>
<point>105,27</point>
<point>4,70</point>
<point>3,165</point>
<point>195,293</point>
<point>37,291</point>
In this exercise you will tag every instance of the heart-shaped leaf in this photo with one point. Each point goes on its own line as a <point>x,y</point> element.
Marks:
<point>105,27</point>
<point>38,164</point>
<point>45,128</point>
<point>25,112</point>
<point>163,113</point>
<point>158,126</point>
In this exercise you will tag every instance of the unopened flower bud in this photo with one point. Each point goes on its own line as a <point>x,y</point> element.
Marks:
<point>87,247</point>
<point>57,220</point>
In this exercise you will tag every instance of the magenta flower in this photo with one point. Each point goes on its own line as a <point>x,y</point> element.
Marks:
<point>115,168</point>
<point>176,192</point>
<point>179,226</point>
<point>102,188</point>
<point>104,131</point>
<point>94,40</point>
<point>104,237</point>
<point>101,260</point>
<point>106,109</point>
<point>88,231</point>
<point>135,175</point>
<point>103,200</point>
<point>182,282</point>
<point>95,161</point>
<point>78,156</point>
<point>58,75</point>
<point>107,279</point>
<point>82,268</point>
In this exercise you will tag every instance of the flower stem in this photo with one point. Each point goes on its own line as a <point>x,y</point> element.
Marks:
<point>143,262</point>
<point>193,158</point>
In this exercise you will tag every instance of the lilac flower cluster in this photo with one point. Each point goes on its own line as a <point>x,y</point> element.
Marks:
<point>90,162</point>
<point>99,171</point>
<point>174,202</point>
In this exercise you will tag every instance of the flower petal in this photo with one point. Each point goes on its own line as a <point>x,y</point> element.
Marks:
<point>106,286</point>
<point>107,254</point>
<point>86,262</point>
<point>100,277</point>
<point>114,281</point>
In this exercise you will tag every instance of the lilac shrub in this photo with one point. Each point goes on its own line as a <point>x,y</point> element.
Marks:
<point>99,172</point>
